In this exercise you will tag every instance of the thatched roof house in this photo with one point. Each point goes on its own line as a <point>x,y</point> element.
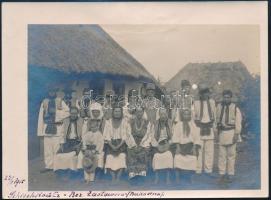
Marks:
<point>84,52</point>
<point>78,57</point>
<point>217,76</point>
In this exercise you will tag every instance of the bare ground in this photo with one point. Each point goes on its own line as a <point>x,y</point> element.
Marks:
<point>247,176</point>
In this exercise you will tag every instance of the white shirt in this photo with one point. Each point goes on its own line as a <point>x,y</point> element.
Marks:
<point>205,116</point>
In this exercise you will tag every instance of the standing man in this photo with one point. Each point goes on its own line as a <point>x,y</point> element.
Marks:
<point>151,104</point>
<point>52,112</point>
<point>204,116</point>
<point>229,125</point>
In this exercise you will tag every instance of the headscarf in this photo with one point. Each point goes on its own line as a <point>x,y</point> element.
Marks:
<point>96,106</point>
<point>162,113</point>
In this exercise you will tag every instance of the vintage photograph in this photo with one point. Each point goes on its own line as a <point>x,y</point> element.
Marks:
<point>143,107</point>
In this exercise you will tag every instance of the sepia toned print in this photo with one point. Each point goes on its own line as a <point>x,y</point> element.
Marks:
<point>100,118</point>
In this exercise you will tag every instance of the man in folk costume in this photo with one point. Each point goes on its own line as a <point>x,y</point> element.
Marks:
<point>117,132</point>
<point>186,136</point>
<point>130,108</point>
<point>205,117</point>
<point>84,103</point>
<point>71,99</point>
<point>108,103</point>
<point>229,124</point>
<point>66,157</point>
<point>161,143</point>
<point>52,112</point>
<point>91,157</point>
<point>151,103</point>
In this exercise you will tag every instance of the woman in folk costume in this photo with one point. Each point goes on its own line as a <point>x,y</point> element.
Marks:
<point>66,157</point>
<point>205,118</point>
<point>161,143</point>
<point>91,158</point>
<point>115,135</point>
<point>229,125</point>
<point>52,112</point>
<point>186,135</point>
<point>137,155</point>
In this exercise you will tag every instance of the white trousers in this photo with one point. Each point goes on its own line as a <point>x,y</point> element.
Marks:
<point>51,146</point>
<point>206,157</point>
<point>226,160</point>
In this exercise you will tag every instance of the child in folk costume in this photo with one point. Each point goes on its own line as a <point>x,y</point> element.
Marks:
<point>137,154</point>
<point>91,157</point>
<point>186,135</point>
<point>66,157</point>
<point>53,111</point>
<point>205,117</point>
<point>161,142</point>
<point>229,125</point>
<point>115,135</point>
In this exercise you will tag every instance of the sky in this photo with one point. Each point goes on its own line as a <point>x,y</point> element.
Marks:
<point>165,49</point>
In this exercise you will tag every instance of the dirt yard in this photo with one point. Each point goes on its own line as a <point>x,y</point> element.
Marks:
<point>247,176</point>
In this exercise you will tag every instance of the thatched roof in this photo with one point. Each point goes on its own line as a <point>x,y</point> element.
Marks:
<point>231,75</point>
<point>80,49</point>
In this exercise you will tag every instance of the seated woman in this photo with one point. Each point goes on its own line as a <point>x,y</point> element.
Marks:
<point>91,156</point>
<point>115,132</point>
<point>137,155</point>
<point>186,139</point>
<point>161,142</point>
<point>66,157</point>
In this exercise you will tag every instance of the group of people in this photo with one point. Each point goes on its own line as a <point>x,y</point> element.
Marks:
<point>140,138</point>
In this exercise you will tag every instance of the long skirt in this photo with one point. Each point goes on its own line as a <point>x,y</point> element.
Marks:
<point>65,161</point>
<point>115,162</point>
<point>162,161</point>
<point>137,161</point>
<point>185,162</point>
